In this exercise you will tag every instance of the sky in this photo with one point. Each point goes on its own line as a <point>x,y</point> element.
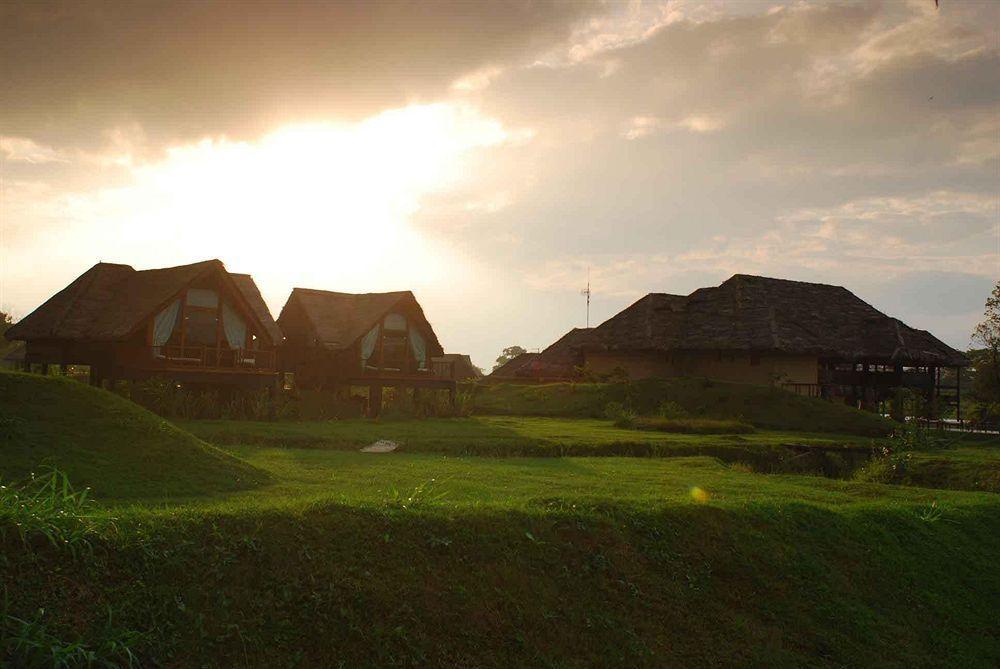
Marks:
<point>491,156</point>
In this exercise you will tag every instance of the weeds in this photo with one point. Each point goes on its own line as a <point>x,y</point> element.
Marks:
<point>422,495</point>
<point>30,643</point>
<point>49,507</point>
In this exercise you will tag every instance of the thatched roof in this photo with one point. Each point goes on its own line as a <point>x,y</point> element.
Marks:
<point>562,358</point>
<point>508,370</point>
<point>462,366</point>
<point>109,302</point>
<point>755,313</point>
<point>340,319</point>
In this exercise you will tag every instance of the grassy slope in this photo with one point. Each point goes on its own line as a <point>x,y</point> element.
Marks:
<point>762,406</point>
<point>358,560</point>
<point>971,467</point>
<point>106,442</point>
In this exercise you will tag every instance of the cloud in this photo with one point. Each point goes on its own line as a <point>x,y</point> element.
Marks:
<point>23,149</point>
<point>70,71</point>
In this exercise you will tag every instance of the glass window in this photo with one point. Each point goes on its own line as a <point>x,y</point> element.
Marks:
<point>202,297</point>
<point>200,327</point>
<point>393,351</point>
<point>395,322</point>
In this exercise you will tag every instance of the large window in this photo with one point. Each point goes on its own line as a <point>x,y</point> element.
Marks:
<point>201,326</point>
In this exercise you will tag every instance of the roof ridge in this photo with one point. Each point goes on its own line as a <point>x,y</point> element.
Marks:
<point>321,291</point>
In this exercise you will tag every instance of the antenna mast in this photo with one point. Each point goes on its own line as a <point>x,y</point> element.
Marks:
<point>586,291</point>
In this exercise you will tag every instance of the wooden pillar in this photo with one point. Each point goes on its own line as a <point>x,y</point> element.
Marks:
<point>958,394</point>
<point>374,400</point>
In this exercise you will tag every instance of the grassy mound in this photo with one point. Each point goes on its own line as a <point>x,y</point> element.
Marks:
<point>105,442</point>
<point>762,406</point>
<point>418,560</point>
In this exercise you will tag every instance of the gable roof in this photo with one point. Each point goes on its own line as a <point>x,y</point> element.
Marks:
<point>109,301</point>
<point>248,288</point>
<point>755,313</point>
<point>340,319</point>
<point>508,370</point>
<point>461,364</point>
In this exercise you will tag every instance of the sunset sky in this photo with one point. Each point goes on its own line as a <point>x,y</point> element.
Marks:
<point>486,155</point>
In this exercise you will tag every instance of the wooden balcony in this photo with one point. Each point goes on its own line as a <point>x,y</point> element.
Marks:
<point>208,358</point>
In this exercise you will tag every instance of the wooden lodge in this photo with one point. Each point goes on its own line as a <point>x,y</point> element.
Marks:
<point>336,341</point>
<point>195,323</point>
<point>810,338</point>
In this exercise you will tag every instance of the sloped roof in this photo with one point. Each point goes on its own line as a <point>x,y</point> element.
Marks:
<point>248,288</point>
<point>508,370</point>
<point>763,314</point>
<point>340,319</point>
<point>561,359</point>
<point>109,301</point>
<point>462,365</point>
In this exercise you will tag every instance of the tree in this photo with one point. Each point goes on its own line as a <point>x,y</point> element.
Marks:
<point>986,383</point>
<point>6,320</point>
<point>509,354</point>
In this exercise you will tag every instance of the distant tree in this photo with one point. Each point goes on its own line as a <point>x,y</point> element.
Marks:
<point>986,382</point>
<point>6,320</point>
<point>509,354</point>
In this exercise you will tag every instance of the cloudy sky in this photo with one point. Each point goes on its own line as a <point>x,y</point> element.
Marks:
<point>488,155</point>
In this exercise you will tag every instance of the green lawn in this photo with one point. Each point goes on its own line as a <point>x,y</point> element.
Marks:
<point>434,556</point>
<point>434,560</point>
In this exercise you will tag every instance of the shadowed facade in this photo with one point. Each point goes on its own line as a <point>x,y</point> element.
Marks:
<point>192,323</point>
<point>374,340</point>
<point>811,338</point>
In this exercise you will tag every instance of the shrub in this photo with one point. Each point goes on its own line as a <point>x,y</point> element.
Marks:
<point>671,409</point>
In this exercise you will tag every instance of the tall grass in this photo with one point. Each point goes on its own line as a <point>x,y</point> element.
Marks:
<point>49,508</point>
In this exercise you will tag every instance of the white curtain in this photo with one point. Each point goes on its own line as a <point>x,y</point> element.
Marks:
<point>234,326</point>
<point>165,322</point>
<point>419,348</point>
<point>368,345</point>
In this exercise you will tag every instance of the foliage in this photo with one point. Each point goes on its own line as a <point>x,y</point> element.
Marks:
<point>48,507</point>
<point>508,354</point>
<point>6,320</point>
<point>986,385</point>
<point>28,643</point>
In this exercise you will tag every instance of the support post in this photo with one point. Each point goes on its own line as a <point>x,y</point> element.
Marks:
<point>958,395</point>
<point>374,400</point>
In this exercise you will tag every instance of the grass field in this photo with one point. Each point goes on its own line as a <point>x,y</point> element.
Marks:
<point>432,557</point>
<point>406,560</point>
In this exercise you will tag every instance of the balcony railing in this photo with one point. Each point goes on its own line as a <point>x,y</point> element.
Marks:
<point>214,357</point>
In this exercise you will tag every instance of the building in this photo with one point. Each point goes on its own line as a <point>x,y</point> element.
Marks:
<point>811,338</point>
<point>507,372</point>
<point>458,365</point>
<point>335,341</point>
<point>194,323</point>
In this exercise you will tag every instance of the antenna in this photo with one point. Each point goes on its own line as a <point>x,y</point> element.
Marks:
<point>586,291</point>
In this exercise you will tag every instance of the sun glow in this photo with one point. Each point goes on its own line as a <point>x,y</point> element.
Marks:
<point>324,205</point>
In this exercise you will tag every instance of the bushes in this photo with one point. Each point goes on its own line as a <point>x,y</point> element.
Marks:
<point>173,400</point>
